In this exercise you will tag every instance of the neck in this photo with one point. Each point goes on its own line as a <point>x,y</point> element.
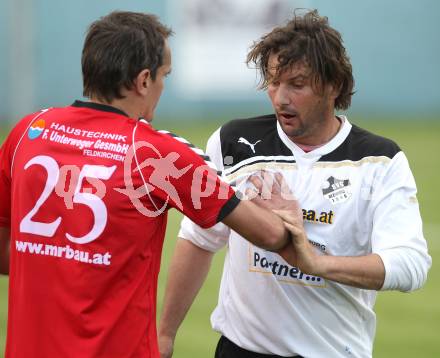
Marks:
<point>123,104</point>
<point>321,134</point>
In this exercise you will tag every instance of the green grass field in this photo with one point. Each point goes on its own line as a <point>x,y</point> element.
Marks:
<point>408,324</point>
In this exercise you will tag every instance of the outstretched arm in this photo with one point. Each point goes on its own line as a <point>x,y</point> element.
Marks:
<point>399,259</point>
<point>259,226</point>
<point>366,272</point>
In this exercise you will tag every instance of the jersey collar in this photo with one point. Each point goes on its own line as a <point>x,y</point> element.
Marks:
<point>99,107</point>
<point>329,147</point>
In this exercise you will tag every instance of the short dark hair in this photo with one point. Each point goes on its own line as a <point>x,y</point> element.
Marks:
<point>309,39</point>
<point>117,47</point>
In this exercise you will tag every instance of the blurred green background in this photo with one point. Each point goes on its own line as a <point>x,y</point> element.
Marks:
<point>408,324</point>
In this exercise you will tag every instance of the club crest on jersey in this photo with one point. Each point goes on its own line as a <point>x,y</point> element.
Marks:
<point>337,190</point>
<point>36,129</point>
<point>251,145</point>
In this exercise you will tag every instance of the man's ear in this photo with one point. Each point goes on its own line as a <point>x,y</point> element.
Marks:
<point>335,90</point>
<point>143,81</point>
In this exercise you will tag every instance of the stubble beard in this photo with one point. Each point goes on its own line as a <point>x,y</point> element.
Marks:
<point>306,128</point>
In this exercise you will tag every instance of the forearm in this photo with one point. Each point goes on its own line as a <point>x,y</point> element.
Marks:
<point>187,272</point>
<point>366,272</point>
<point>259,226</point>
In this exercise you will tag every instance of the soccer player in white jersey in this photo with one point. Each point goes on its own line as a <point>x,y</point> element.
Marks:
<point>360,229</point>
<point>85,190</point>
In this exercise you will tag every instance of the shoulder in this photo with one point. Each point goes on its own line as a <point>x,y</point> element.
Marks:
<point>32,125</point>
<point>165,141</point>
<point>162,139</point>
<point>369,144</point>
<point>360,144</point>
<point>175,139</point>
<point>243,139</point>
<point>252,126</point>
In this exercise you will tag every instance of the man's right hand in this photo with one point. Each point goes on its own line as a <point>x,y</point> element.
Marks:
<point>301,253</point>
<point>166,346</point>
<point>273,193</point>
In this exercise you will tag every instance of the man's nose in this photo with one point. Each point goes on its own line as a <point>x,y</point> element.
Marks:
<point>282,97</point>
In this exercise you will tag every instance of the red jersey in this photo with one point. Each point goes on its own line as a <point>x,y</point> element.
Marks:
<point>85,190</point>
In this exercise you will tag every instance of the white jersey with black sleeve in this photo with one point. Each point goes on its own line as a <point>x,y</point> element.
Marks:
<point>358,197</point>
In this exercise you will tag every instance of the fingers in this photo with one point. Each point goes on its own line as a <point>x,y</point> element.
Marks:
<point>279,179</point>
<point>286,193</point>
<point>293,229</point>
<point>252,194</point>
<point>286,216</point>
<point>265,184</point>
<point>257,182</point>
<point>262,185</point>
<point>277,185</point>
<point>270,184</point>
<point>255,194</point>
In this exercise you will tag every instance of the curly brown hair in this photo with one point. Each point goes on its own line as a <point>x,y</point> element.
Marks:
<point>307,39</point>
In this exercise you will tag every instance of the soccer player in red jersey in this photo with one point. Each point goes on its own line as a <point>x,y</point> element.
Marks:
<point>84,193</point>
